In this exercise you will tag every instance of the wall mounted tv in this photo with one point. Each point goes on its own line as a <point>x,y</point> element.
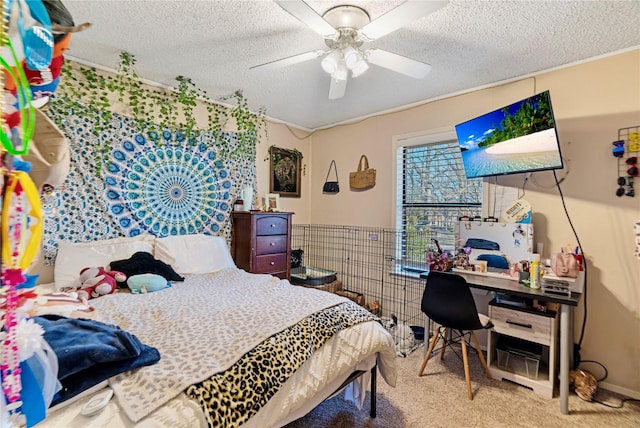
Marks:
<point>517,138</point>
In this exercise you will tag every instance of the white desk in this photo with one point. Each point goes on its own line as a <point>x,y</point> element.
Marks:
<point>567,303</point>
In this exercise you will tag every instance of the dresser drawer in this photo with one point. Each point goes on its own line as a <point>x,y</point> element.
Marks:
<point>525,325</point>
<point>271,263</point>
<point>270,244</point>
<point>271,225</point>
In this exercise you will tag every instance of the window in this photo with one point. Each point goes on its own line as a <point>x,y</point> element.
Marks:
<point>432,193</point>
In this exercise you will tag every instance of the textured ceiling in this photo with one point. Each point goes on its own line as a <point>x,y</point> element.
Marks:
<point>469,44</point>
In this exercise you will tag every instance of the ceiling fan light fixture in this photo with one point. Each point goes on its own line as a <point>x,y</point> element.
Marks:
<point>331,61</point>
<point>341,72</point>
<point>360,67</point>
<point>351,56</point>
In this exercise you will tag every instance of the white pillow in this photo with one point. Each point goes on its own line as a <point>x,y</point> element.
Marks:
<point>194,253</point>
<point>73,256</point>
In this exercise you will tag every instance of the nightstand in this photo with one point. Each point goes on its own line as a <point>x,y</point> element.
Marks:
<point>261,242</point>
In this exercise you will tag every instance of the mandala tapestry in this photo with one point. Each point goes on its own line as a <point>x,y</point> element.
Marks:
<point>158,183</point>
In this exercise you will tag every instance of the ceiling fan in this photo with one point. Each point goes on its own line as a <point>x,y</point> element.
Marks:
<point>345,29</point>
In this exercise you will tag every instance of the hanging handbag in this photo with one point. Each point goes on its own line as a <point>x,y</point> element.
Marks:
<point>364,177</point>
<point>564,264</point>
<point>331,186</point>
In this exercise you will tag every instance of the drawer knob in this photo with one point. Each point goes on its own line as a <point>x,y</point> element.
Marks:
<point>519,324</point>
<point>272,225</point>
<point>272,263</point>
<point>273,244</point>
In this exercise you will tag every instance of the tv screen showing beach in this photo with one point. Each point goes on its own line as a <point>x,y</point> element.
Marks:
<point>518,138</point>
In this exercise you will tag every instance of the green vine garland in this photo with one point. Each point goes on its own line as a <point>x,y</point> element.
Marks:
<point>295,154</point>
<point>95,96</point>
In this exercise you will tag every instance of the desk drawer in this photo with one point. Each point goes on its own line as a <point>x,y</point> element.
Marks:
<point>525,325</point>
<point>270,244</point>
<point>271,263</point>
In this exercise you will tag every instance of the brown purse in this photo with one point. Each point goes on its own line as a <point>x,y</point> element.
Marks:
<point>364,177</point>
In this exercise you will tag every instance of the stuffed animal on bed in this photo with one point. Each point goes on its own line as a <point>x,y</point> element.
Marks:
<point>147,283</point>
<point>96,282</point>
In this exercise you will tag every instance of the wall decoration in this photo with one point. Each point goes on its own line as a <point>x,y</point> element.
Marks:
<point>285,171</point>
<point>167,190</point>
<point>158,183</point>
<point>155,110</point>
<point>626,149</point>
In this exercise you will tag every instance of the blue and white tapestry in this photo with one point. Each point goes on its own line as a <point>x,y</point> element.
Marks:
<point>162,184</point>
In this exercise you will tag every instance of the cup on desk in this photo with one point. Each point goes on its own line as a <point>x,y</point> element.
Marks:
<point>481,265</point>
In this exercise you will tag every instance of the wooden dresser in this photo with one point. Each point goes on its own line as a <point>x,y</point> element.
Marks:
<point>261,242</point>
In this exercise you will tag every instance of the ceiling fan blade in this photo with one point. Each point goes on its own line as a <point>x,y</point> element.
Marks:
<point>398,17</point>
<point>295,59</point>
<point>337,88</point>
<point>399,63</point>
<point>308,16</point>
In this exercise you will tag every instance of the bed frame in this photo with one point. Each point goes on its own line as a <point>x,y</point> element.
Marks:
<point>355,375</point>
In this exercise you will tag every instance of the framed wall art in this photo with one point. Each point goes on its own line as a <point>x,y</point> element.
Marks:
<point>285,172</point>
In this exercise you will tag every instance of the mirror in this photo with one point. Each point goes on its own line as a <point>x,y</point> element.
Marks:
<point>500,244</point>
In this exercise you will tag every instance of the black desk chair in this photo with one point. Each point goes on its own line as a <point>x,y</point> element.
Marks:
<point>447,300</point>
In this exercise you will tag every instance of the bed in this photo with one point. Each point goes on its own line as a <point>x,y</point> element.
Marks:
<point>236,349</point>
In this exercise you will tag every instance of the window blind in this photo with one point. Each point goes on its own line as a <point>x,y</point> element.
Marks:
<point>433,192</point>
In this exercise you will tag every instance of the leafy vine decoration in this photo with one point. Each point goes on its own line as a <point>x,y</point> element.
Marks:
<point>95,95</point>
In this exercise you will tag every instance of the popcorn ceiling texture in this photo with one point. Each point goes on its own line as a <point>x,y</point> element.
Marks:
<point>468,43</point>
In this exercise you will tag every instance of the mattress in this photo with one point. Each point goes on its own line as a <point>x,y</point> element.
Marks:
<point>360,347</point>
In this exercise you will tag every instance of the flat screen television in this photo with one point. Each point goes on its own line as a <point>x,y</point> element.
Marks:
<point>517,138</point>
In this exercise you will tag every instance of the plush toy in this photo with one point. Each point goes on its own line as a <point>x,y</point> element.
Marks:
<point>146,283</point>
<point>97,281</point>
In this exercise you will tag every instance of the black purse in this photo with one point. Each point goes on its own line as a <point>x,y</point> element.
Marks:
<point>331,186</point>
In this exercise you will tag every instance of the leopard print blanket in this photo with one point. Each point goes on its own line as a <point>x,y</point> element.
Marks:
<point>201,327</point>
<point>230,398</point>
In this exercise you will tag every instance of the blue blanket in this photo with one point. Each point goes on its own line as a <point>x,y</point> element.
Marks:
<point>90,351</point>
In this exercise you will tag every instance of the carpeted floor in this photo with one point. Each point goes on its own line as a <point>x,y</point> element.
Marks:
<point>439,399</point>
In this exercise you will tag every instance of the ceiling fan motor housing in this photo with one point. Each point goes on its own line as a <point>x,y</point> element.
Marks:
<point>348,37</point>
<point>347,17</point>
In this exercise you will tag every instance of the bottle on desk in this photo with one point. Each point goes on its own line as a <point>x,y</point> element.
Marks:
<point>534,271</point>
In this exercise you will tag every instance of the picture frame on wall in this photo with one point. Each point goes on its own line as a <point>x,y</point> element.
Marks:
<point>272,202</point>
<point>285,172</point>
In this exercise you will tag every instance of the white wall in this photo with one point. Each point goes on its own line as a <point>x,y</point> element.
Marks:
<point>591,102</point>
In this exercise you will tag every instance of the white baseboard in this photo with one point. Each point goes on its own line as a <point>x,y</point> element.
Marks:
<point>619,390</point>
